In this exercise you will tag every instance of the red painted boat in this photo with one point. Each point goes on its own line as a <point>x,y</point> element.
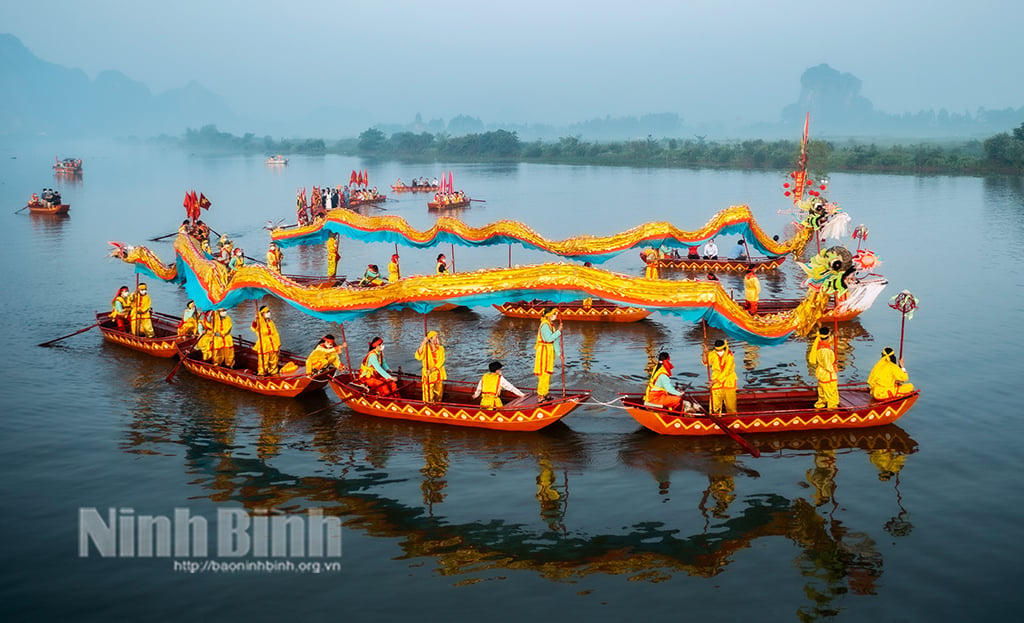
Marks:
<point>459,407</point>
<point>362,202</point>
<point>415,189</point>
<point>68,166</point>
<point>163,345</point>
<point>243,374</point>
<point>720,265</point>
<point>317,282</point>
<point>585,310</point>
<point>37,207</point>
<point>434,205</point>
<point>775,409</point>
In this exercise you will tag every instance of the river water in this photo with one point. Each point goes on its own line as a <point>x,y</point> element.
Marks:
<point>593,516</point>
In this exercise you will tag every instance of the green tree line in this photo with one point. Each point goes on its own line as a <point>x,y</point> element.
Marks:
<point>1002,153</point>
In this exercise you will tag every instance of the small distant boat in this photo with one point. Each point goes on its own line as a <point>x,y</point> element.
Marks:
<point>585,310</point>
<point>243,374</point>
<point>366,200</point>
<point>414,189</point>
<point>38,207</point>
<point>445,205</point>
<point>774,409</point>
<point>68,166</point>
<point>317,282</point>
<point>459,408</point>
<point>164,344</point>
<point>278,159</point>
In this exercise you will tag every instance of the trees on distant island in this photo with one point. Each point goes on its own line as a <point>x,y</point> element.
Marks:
<point>1002,153</point>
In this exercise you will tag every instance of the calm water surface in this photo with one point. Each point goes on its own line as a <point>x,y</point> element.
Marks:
<point>593,516</point>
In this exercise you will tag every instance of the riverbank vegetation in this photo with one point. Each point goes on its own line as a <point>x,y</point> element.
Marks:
<point>1002,153</point>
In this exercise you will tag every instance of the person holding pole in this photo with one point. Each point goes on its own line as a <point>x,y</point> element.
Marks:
<point>432,354</point>
<point>888,379</point>
<point>325,355</point>
<point>222,344</point>
<point>823,358</point>
<point>142,312</point>
<point>268,342</point>
<point>722,373</point>
<point>547,349</point>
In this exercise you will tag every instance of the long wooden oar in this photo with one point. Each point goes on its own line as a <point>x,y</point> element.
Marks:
<point>735,436</point>
<point>181,360</point>
<point>480,200</point>
<point>25,208</point>
<point>561,352</point>
<point>159,238</point>
<point>95,324</point>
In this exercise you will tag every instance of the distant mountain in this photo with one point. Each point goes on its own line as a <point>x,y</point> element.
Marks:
<point>45,98</point>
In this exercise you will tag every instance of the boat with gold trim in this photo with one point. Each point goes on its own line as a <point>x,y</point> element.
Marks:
<point>68,166</point>
<point>243,374</point>
<point>164,344</point>
<point>440,205</point>
<point>458,408</point>
<point>774,409</point>
<point>720,265</point>
<point>585,310</point>
<point>414,189</point>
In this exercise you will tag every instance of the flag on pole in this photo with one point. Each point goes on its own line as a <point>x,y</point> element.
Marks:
<point>204,203</point>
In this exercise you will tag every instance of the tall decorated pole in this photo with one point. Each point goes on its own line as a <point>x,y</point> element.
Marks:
<point>905,303</point>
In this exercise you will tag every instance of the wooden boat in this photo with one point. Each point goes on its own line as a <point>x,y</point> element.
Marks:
<point>720,265</point>
<point>361,202</point>
<point>317,282</point>
<point>775,409</point>
<point>68,166</point>
<point>163,345</point>
<point>582,310</point>
<point>459,407</point>
<point>415,189</point>
<point>435,205</point>
<point>278,159</point>
<point>38,207</point>
<point>243,374</point>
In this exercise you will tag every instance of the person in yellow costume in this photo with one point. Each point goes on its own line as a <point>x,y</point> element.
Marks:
<point>189,325</point>
<point>722,365</point>
<point>121,308</point>
<point>888,379</point>
<point>546,349</point>
<point>751,290</point>
<point>332,255</point>
<point>268,342</point>
<point>274,258</point>
<point>823,358</point>
<point>394,272</point>
<point>491,385</point>
<point>651,259</point>
<point>660,390</point>
<point>142,312</point>
<point>205,342</point>
<point>432,354</point>
<point>325,355</point>
<point>222,345</point>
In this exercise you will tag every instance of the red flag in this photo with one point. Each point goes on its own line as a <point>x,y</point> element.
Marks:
<point>187,203</point>
<point>366,178</point>
<point>353,179</point>
<point>204,203</point>
<point>451,182</point>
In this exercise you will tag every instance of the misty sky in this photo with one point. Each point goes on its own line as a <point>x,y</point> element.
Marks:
<point>735,61</point>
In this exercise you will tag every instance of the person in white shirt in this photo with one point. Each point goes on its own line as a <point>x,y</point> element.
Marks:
<point>711,250</point>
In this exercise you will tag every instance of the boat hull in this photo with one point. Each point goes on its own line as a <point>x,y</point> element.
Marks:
<point>38,208</point>
<point>163,345</point>
<point>597,311</point>
<point>432,205</point>
<point>243,375</point>
<point>772,410</point>
<point>459,408</point>
<point>415,189</point>
<point>719,265</point>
